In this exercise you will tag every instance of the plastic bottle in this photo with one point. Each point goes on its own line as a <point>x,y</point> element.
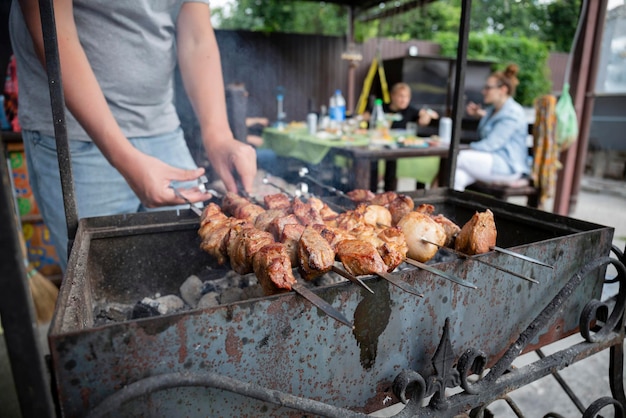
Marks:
<point>445,130</point>
<point>377,119</point>
<point>338,107</point>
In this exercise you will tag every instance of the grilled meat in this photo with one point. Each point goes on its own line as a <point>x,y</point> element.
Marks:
<point>360,257</point>
<point>305,212</point>
<point>399,207</point>
<point>265,218</point>
<point>291,237</point>
<point>361,195</point>
<point>277,201</point>
<point>232,201</point>
<point>243,242</point>
<point>315,256</point>
<point>394,247</point>
<point>384,199</point>
<point>211,213</point>
<point>272,268</point>
<point>214,237</point>
<point>451,229</point>
<point>278,224</point>
<point>478,234</point>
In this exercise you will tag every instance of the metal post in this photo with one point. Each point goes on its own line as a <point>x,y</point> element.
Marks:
<point>53,68</point>
<point>17,312</point>
<point>457,98</point>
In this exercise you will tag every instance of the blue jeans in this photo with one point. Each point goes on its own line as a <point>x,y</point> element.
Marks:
<point>99,188</point>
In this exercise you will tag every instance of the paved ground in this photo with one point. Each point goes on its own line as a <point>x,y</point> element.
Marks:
<point>602,202</point>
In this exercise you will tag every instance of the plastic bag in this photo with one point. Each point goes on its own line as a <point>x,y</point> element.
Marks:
<point>566,121</point>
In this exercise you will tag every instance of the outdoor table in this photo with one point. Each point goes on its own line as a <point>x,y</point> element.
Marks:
<point>359,149</point>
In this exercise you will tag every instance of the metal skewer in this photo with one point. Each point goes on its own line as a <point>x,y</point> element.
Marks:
<point>300,289</point>
<point>441,273</point>
<point>352,278</point>
<point>304,173</point>
<point>520,256</point>
<point>326,307</point>
<point>399,283</point>
<point>193,207</point>
<point>467,257</point>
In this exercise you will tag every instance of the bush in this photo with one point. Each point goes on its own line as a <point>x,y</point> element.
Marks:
<point>530,55</point>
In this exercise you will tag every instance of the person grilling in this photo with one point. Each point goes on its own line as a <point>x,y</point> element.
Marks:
<point>501,154</point>
<point>126,144</point>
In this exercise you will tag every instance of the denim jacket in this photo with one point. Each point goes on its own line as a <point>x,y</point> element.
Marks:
<point>504,135</point>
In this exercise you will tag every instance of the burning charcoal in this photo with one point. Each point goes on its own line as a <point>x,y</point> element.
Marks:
<point>230,295</point>
<point>146,308</point>
<point>169,304</point>
<point>248,280</point>
<point>191,290</point>
<point>117,311</point>
<point>208,287</point>
<point>208,300</point>
<point>252,292</point>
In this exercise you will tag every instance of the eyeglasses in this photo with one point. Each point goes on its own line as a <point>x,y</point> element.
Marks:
<point>489,87</point>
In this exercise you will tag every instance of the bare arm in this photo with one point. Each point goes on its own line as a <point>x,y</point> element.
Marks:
<point>200,65</point>
<point>147,176</point>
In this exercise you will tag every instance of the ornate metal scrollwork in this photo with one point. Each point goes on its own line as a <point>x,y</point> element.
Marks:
<point>599,314</point>
<point>411,385</point>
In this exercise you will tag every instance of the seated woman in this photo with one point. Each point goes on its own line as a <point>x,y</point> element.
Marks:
<point>501,154</point>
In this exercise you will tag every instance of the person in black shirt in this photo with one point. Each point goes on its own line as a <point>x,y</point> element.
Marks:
<point>400,105</point>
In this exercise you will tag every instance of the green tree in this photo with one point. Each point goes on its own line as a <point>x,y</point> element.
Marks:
<point>285,16</point>
<point>530,55</point>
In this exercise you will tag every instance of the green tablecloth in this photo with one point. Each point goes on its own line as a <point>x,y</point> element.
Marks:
<point>297,143</point>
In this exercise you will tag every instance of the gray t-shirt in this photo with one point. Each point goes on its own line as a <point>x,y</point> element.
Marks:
<point>131,46</point>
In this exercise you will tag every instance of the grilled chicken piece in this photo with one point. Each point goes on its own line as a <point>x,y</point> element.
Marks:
<point>360,257</point>
<point>425,208</point>
<point>315,256</point>
<point>305,212</point>
<point>376,216</point>
<point>361,195</point>
<point>394,248</point>
<point>272,268</point>
<point>384,199</point>
<point>399,207</point>
<point>264,219</point>
<point>451,229</point>
<point>231,202</point>
<point>291,237</point>
<point>277,201</point>
<point>211,213</point>
<point>478,234</point>
<point>417,225</point>
<point>351,219</point>
<point>214,237</point>
<point>243,242</point>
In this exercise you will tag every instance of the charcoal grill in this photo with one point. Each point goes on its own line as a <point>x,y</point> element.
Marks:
<point>273,354</point>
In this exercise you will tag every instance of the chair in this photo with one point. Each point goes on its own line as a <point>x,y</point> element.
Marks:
<point>544,152</point>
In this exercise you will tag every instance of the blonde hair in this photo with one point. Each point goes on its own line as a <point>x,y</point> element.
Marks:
<point>508,78</point>
<point>400,86</point>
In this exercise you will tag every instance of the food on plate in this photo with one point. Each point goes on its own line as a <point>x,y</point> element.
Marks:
<point>478,235</point>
